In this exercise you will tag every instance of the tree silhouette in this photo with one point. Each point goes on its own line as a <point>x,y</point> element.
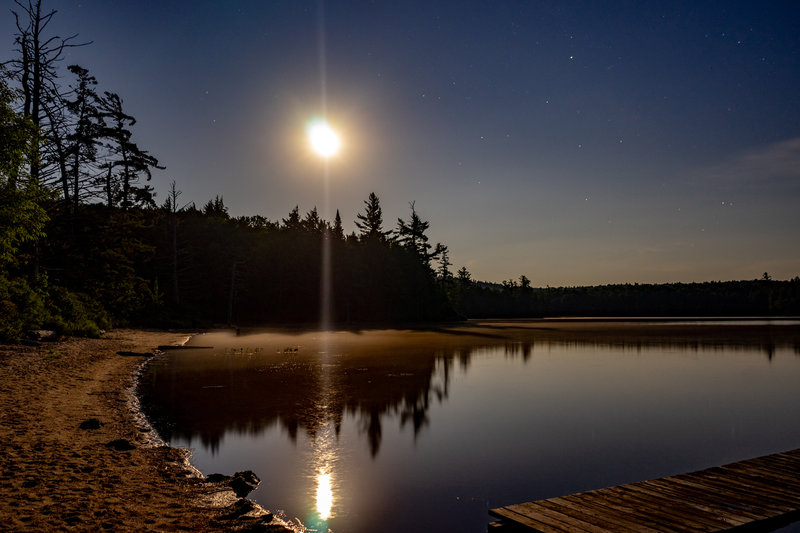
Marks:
<point>338,231</point>
<point>443,272</point>
<point>464,277</point>
<point>35,68</point>
<point>126,156</point>
<point>216,208</point>
<point>171,207</point>
<point>293,221</point>
<point>411,235</point>
<point>370,223</point>
<point>83,140</point>
<point>312,222</point>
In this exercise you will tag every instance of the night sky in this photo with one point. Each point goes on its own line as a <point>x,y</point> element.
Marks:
<point>573,142</point>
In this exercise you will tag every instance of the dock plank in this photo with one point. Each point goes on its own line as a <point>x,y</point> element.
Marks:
<point>736,492</point>
<point>678,519</point>
<point>585,514</point>
<point>730,497</point>
<point>777,479</point>
<point>720,498</point>
<point>523,520</point>
<point>778,475</point>
<point>612,512</point>
<point>554,518</point>
<point>675,510</point>
<point>670,493</point>
<point>769,492</point>
<point>722,506</point>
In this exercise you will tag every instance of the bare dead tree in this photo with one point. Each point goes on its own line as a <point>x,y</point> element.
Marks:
<point>36,70</point>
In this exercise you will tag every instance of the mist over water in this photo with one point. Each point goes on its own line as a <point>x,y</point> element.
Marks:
<point>426,430</point>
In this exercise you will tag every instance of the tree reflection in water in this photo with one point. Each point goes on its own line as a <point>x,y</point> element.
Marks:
<point>251,382</point>
<point>202,394</point>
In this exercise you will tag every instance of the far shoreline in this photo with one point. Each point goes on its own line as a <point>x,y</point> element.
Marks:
<point>638,326</point>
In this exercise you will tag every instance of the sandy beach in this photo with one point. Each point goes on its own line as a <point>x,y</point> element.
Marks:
<point>74,456</point>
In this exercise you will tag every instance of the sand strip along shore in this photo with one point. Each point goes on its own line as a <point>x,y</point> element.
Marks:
<point>76,456</point>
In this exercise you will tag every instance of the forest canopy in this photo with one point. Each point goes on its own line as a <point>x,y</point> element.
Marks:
<point>85,246</point>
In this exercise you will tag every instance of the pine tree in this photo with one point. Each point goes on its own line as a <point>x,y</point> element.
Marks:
<point>125,157</point>
<point>464,277</point>
<point>338,231</point>
<point>312,223</point>
<point>411,235</point>
<point>216,208</point>
<point>370,223</point>
<point>293,222</point>
<point>83,140</point>
<point>444,273</point>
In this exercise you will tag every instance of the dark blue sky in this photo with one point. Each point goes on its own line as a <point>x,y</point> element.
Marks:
<point>573,142</point>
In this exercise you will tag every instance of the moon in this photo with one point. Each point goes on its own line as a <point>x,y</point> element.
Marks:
<point>324,141</point>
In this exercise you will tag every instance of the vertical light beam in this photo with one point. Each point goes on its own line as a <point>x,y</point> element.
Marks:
<point>325,281</point>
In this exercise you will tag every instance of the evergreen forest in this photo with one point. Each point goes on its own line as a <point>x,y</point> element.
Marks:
<point>85,246</point>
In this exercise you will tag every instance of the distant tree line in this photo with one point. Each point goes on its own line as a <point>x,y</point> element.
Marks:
<point>84,246</point>
<point>758,297</point>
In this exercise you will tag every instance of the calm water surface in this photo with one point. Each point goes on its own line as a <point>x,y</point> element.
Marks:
<point>398,431</point>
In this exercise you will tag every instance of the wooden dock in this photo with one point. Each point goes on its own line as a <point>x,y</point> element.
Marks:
<point>754,495</point>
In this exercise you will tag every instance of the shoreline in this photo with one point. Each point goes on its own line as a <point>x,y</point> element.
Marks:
<point>77,452</point>
<point>151,436</point>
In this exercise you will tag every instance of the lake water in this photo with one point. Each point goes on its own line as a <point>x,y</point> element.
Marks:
<point>425,430</point>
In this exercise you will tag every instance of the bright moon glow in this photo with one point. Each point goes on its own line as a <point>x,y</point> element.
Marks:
<point>324,495</point>
<point>323,139</point>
